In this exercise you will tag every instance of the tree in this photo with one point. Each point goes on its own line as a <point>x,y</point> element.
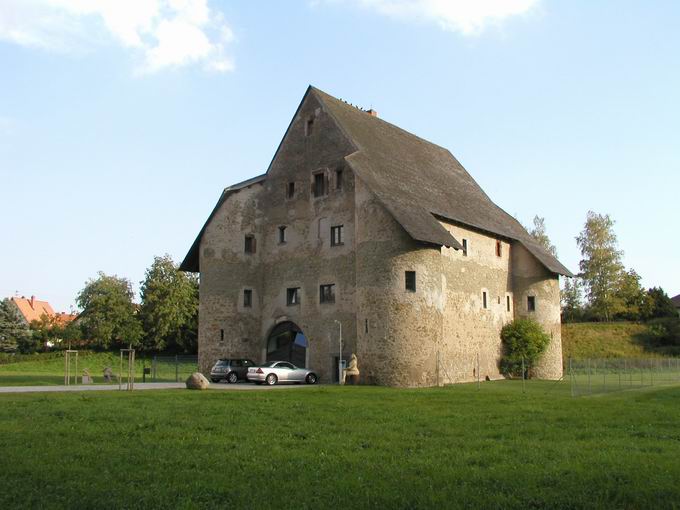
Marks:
<point>538,232</point>
<point>660,305</point>
<point>53,329</point>
<point>601,267</point>
<point>14,333</point>
<point>169,309</point>
<point>524,341</point>
<point>572,300</point>
<point>633,297</point>
<point>109,317</point>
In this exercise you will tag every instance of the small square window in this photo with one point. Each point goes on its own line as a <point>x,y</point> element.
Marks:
<point>485,303</point>
<point>337,237</point>
<point>327,293</point>
<point>531,303</point>
<point>319,188</point>
<point>290,190</point>
<point>410,277</point>
<point>293,296</point>
<point>247,298</point>
<point>465,248</point>
<point>499,249</point>
<point>282,235</point>
<point>338,179</point>
<point>250,245</point>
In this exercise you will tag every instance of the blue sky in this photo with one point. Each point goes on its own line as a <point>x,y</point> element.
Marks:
<point>121,122</point>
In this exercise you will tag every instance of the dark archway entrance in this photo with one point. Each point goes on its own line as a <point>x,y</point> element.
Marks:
<point>287,342</point>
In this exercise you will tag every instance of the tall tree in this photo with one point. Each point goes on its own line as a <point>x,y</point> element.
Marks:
<point>539,233</point>
<point>572,300</point>
<point>634,299</point>
<point>14,334</point>
<point>109,317</point>
<point>660,304</point>
<point>169,309</point>
<point>601,267</point>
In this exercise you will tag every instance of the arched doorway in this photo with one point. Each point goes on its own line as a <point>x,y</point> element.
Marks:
<point>287,342</point>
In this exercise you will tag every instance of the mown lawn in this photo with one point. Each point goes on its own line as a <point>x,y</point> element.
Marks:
<point>331,447</point>
<point>49,369</point>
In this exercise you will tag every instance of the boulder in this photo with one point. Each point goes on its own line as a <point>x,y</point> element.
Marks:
<point>197,381</point>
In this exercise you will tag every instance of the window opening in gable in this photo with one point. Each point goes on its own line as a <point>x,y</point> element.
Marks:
<point>247,298</point>
<point>250,244</point>
<point>337,235</point>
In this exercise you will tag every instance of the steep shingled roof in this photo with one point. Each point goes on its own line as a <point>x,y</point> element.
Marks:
<point>416,181</point>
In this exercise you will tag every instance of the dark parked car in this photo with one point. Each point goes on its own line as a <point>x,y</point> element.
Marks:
<point>230,370</point>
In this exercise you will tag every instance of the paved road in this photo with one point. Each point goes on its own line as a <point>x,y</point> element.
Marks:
<point>145,386</point>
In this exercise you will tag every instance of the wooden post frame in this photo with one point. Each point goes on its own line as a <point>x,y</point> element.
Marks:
<point>70,358</point>
<point>130,373</point>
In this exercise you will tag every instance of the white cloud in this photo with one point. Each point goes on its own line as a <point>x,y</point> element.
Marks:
<point>468,17</point>
<point>162,33</point>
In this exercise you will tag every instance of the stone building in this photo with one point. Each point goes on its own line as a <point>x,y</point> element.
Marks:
<point>360,224</point>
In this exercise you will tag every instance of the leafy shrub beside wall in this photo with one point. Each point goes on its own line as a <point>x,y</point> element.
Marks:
<point>522,338</point>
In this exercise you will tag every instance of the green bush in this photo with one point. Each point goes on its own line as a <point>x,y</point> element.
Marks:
<point>665,331</point>
<point>522,339</point>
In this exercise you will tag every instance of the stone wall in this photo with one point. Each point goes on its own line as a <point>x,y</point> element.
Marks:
<point>441,333</point>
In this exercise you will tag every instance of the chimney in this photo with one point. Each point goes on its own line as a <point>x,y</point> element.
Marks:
<point>33,302</point>
<point>372,112</point>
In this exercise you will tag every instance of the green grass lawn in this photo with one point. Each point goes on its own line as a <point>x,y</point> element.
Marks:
<point>49,370</point>
<point>330,447</point>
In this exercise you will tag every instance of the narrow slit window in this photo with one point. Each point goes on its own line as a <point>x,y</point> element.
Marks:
<point>507,303</point>
<point>485,303</point>
<point>290,190</point>
<point>327,293</point>
<point>319,184</point>
<point>410,280</point>
<point>499,249</point>
<point>531,303</point>
<point>366,326</point>
<point>465,248</point>
<point>309,126</point>
<point>338,179</point>
<point>282,235</point>
<point>247,298</point>
<point>293,296</point>
<point>250,245</point>
<point>337,237</point>
<point>221,335</point>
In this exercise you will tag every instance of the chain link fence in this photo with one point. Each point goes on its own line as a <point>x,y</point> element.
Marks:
<point>589,376</point>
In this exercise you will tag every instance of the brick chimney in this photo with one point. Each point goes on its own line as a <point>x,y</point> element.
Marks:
<point>33,302</point>
<point>372,112</point>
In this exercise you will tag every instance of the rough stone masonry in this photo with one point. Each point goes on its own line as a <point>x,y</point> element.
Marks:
<point>361,225</point>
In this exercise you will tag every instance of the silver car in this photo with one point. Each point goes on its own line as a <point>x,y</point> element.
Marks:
<point>274,372</point>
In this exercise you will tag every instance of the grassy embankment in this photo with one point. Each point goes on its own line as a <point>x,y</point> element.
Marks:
<point>330,447</point>
<point>608,340</point>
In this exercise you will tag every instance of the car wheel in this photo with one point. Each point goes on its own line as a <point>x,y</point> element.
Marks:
<point>214,380</point>
<point>272,379</point>
<point>232,377</point>
<point>311,379</point>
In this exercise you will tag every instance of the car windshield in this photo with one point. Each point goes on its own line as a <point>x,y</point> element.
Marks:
<point>222,363</point>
